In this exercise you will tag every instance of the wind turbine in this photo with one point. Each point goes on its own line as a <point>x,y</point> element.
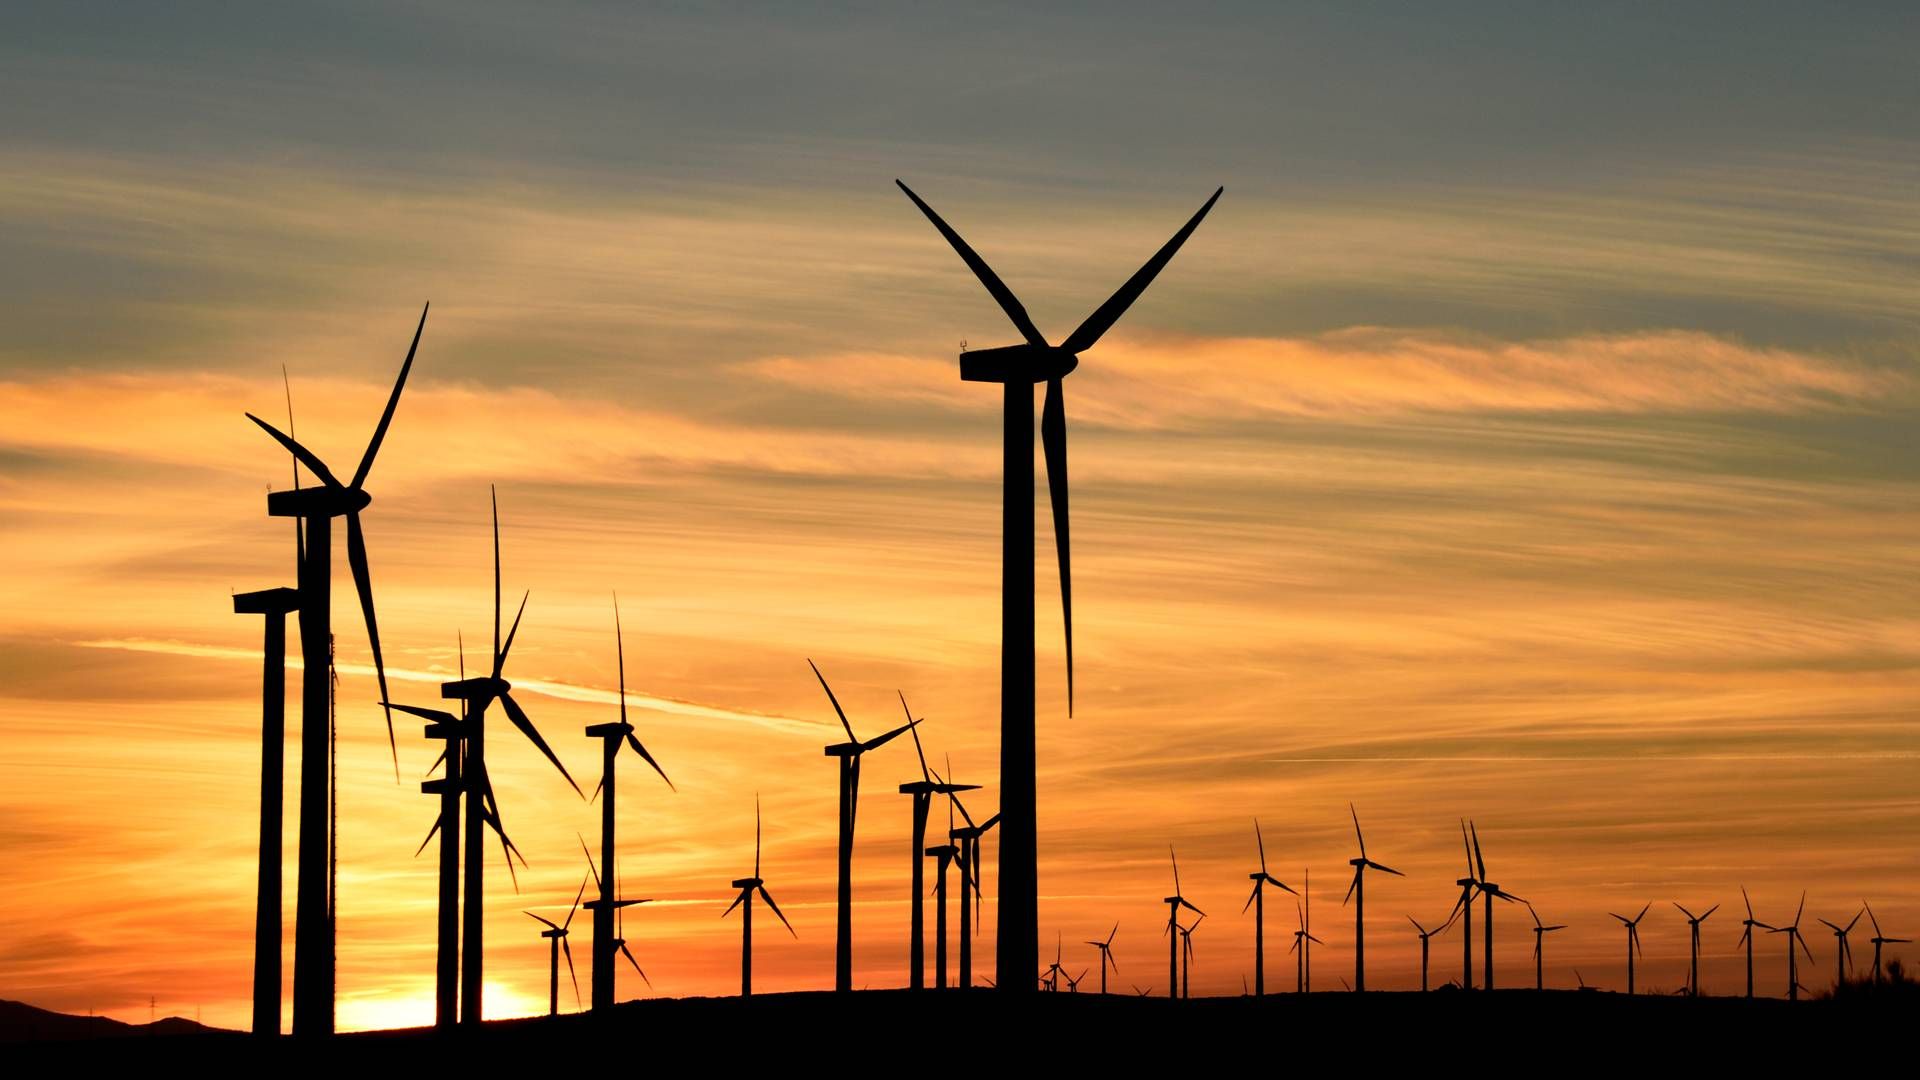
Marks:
<point>1424,935</point>
<point>1174,904</point>
<point>1468,886</point>
<point>1843,952</point>
<point>1792,931</point>
<point>1540,933</point>
<point>1488,890</point>
<point>1073,981</point>
<point>1107,960</point>
<point>556,936</point>
<point>618,905</point>
<point>923,790</point>
<point>849,753</point>
<point>477,694</point>
<point>1746,937</point>
<point>1879,940</point>
<point>1258,901</point>
<point>1633,939</point>
<point>1300,939</point>
<point>448,788</point>
<point>1693,953</point>
<point>945,854</point>
<point>1357,892</point>
<point>748,886</point>
<point>313,918</point>
<point>1051,977</point>
<point>969,838</point>
<point>1186,953</point>
<point>274,604</point>
<point>612,737</point>
<point>1018,367</point>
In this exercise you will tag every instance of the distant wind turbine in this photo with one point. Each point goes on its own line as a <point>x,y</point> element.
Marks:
<point>923,790</point>
<point>1540,933</point>
<point>1426,934</point>
<point>1107,960</point>
<point>1633,939</point>
<point>1468,890</point>
<point>1746,937</point>
<point>1879,940</point>
<point>1018,367</point>
<point>1258,901</point>
<point>1792,930</point>
<point>556,935</point>
<point>1300,939</point>
<point>1488,890</point>
<point>1693,946</point>
<point>748,886</point>
<point>1843,952</point>
<point>1186,955</point>
<point>969,838</point>
<point>1174,904</point>
<point>1357,892</point>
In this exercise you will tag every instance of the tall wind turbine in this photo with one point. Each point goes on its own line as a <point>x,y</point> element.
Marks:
<point>612,737</point>
<point>1489,891</point>
<point>1792,930</point>
<point>1174,904</point>
<point>448,788</point>
<point>744,901</point>
<point>478,694</point>
<point>556,935</point>
<point>1186,955</point>
<point>1633,939</point>
<point>1425,935</point>
<point>1540,933</point>
<point>849,754</point>
<point>1301,938</point>
<point>275,604</point>
<point>313,923</point>
<point>1018,367</point>
<point>1357,892</point>
<point>1843,952</point>
<point>1746,937</point>
<point>1468,887</point>
<point>620,906</point>
<point>1258,901</point>
<point>923,790</point>
<point>1107,960</point>
<point>969,838</point>
<point>1693,946</point>
<point>1878,940</point>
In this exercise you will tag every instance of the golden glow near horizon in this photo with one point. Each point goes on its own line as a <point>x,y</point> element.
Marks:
<point>1584,509</point>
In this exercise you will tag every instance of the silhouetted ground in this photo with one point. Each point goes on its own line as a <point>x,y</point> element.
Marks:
<point>20,1022</point>
<point>1560,1031</point>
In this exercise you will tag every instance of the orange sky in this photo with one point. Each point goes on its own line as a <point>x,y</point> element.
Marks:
<point>1597,527</point>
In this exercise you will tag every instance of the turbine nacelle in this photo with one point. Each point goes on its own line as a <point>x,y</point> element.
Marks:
<point>267,602</point>
<point>317,502</point>
<point>748,883</point>
<point>482,688</point>
<point>1017,363</point>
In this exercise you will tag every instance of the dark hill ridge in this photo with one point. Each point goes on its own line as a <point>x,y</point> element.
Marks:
<point>20,1022</point>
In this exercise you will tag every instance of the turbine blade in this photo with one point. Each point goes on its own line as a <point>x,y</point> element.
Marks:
<point>838,711</point>
<point>591,869</point>
<point>1250,898</point>
<point>568,949</point>
<point>549,922</point>
<point>305,456</point>
<point>1053,441</point>
<point>1356,830</point>
<point>995,287</point>
<point>883,740</point>
<point>424,714</point>
<point>620,658</point>
<point>501,663</point>
<point>628,953</point>
<point>1109,313</point>
<point>648,758</point>
<point>775,908</point>
<point>525,725</point>
<point>363,584</point>
<point>393,402</point>
<point>926,774</point>
<point>737,901</point>
<point>1262,841</point>
<point>576,904</point>
<point>429,839</point>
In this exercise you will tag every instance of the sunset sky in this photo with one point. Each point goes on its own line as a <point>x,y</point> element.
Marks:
<point>1526,436</point>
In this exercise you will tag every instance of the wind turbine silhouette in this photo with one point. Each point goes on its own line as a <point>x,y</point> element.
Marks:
<point>945,854</point>
<point>923,790</point>
<point>313,933</point>
<point>1792,931</point>
<point>1424,935</point>
<point>1746,937</point>
<point>1357,892</point>
<point>1018,367</point>
<point>1633,939</point>
<point>477,694</point>
<point>1488,890</point>
<point>969,839</point>
<point>1186,954</point>
<point>1693,946</point>
<point>618,905</point>
<point>1073,981</point>
<point>1050,978</point>
<point>1879,940</point>
<point>556,941</point>
<point>1300,939</point>
<point>748,886</point>
<point>1107,960</point>
<point>1258,901</point>
<point>1540,933</point>
<point>448,788</point>
<point>1468,886</point>
<point>612,737</point>
<point>1843,952</point>
<point>1174,904</point>
<point>849,754</point>
<point>274,604</point>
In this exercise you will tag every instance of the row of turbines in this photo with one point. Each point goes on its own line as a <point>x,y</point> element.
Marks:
<point>1017,367</point>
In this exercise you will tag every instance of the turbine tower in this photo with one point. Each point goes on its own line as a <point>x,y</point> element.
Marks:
<point>1017,368</point>
<point>1258,901</point>
<point>1357,892</point>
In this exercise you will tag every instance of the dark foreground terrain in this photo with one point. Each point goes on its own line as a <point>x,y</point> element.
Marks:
<point>981,1030</point>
